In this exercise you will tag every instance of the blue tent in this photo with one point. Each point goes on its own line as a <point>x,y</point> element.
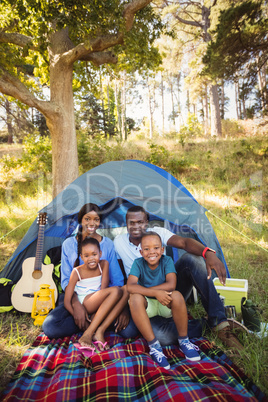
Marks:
<point>115,186</point>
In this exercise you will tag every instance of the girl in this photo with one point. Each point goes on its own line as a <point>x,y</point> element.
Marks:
<point>90,281</point>
<point>89,219</point>
<point>60,322</point>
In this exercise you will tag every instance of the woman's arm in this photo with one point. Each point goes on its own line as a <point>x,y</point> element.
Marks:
<point>69,291</point>
<point>105,274</point>
<point>68,257</point>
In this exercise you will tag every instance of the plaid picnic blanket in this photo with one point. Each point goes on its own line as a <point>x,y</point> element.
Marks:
<point>54,370</point>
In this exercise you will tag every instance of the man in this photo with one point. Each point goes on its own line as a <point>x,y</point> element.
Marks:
<point>194,268</point>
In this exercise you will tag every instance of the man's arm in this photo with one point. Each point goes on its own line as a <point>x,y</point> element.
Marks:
<point>194,247</point>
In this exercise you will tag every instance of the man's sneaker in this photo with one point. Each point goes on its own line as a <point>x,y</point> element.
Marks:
<point>190,350</point>
<point>159,357</point>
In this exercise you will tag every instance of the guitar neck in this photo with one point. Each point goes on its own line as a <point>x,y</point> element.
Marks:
<point>39,248</point>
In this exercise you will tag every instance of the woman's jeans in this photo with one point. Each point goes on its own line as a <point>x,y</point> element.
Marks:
<point>191,271</point>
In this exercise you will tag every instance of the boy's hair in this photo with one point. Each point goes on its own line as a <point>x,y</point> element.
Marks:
<point>137,208</point>
<point>151,233</point>
<point>90,240</point>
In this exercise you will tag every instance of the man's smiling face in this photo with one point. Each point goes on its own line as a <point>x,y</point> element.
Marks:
<point>137,224</point>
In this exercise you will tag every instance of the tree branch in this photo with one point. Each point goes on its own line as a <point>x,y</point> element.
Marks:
<point>130,10</point>
<point>99,58</point>
<point>11,86</point>
<point>101,43</point>
<point>186,22</point>
<point>16,39</point>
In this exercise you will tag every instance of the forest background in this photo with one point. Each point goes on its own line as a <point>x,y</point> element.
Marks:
<point>72,79</point>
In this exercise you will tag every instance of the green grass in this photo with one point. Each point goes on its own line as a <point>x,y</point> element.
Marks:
<point>228,177</point>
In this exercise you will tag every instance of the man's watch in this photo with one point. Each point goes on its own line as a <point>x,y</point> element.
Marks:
<point>205,250</point>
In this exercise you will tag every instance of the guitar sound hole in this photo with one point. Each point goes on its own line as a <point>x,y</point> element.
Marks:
<point>37,274</point>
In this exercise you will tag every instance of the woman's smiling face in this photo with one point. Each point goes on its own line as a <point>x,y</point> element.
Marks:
<point>90,223</point>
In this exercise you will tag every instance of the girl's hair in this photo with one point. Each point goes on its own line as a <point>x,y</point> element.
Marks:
<point>83,211</point>
<point>90,240</point>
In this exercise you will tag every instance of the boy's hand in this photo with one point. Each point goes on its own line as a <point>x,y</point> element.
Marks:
<point>163,297</point>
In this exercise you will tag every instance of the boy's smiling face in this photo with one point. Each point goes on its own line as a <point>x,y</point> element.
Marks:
<point>151,250</point>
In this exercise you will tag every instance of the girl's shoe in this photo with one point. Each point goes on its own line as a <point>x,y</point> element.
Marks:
<point>104,345</point>
<point>87,351</point>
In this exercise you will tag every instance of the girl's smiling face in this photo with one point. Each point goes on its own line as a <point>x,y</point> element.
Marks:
<point>90,223</point>
<point>91,255</point>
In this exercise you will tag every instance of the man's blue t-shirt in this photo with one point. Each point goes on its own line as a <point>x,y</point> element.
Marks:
<point>152,277</point>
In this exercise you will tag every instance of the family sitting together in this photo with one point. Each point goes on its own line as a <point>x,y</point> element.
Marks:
<point>151,303</point>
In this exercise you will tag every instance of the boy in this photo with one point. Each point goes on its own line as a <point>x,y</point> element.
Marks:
<point>151,284</point>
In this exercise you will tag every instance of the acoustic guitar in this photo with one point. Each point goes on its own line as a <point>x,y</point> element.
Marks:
<point>34,274</point>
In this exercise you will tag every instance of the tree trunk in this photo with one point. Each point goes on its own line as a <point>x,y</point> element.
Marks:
<point>163,104</point>
<point>61,123</point>
<point>123,108</point>
<point>222,100</point>
<point>262,88</point>
<point>236,100</point>
<point>215,112</point>
<point>150,110</point>
<point>118,110</point>
<point>206,117</point>
<point>9,122</point>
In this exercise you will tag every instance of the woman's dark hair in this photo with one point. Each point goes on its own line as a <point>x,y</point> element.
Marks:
<point>90,240</point>
<point>83,211</point>
<point>88,208</point>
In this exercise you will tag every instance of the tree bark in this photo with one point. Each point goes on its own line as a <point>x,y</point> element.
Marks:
<point>215,112</point>
<point>206,117</point>
<point>61,123</point>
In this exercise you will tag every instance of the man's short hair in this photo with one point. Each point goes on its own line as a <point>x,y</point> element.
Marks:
<point>151,233</point>
<point>137,208</point>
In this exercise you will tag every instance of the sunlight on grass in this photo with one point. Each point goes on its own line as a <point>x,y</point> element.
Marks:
<point>228,177</point>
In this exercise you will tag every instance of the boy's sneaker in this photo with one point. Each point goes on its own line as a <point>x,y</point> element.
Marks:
<point>159,357</point>
<point>190,350</point>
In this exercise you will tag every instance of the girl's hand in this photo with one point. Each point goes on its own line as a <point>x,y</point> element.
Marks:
<point>164,297</point>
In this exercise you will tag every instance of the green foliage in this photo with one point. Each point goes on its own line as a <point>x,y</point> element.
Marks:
<point>240,37</point>
<point>160,156</point>
<point>85,21</point>
<point>190,130</point>
<point>231,128</point>
<point>36,156</point>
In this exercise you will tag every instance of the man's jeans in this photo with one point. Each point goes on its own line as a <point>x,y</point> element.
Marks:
<point>191,271</point>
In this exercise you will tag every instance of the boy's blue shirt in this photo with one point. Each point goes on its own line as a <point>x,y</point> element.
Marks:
<point>152,277</point>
